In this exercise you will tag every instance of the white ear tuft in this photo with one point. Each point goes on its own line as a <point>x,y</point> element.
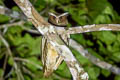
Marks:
<point>66,13</point>
<point>52,14</point>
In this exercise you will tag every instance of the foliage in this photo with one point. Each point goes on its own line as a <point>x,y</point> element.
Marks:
<point>105,45</point>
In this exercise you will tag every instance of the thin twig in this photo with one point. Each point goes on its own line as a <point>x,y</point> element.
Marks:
<point>28,71</point>
<point>5,63</point>
<point>11,24</point>
<point>27,61</point>
<point>21,23</point>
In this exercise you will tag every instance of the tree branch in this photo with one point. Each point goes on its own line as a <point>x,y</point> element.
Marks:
<point>11,24</point>
<point>13,14</point>
<point>93,59</point>
<point>21,24</point>
<point>91,28</point>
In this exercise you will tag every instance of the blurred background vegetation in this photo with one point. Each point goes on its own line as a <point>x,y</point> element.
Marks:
<point>105,44</point>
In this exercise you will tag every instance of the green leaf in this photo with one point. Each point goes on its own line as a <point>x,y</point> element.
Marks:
<point>80,58</point>
<point>107,37</point>
<point>4,19</point>
<point>93,72</point>
<point>40,4</point>
<point>94,53</point>
<point>106,73</point>
<point>79,38</point>
<point>27,77</point>
<point>102,48</point>
<point>15,8</point>
<point>11,61</point>
<point>116,56</point>
<point>89,43</point>
<point>64,70</point>
<point>1,72</point>
<point>117,77</point>
<point>34,64</point>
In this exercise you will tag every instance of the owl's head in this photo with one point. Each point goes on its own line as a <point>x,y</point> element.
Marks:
<point>58,20</point>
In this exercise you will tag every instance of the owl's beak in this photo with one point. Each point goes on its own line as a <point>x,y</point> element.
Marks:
<point>57,21</point>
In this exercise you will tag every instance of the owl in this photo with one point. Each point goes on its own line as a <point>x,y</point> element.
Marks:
<point>58,20</point>
<point>50,57</point>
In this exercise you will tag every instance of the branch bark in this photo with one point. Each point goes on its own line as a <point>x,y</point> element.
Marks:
<point>91,28</point>
<point>93,59</point>
<point>13,14</point>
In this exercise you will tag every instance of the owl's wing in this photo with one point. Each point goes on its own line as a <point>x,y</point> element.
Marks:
<point>43,51</point>
<point>50,58</point>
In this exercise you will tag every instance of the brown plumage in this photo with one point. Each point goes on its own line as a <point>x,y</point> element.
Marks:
<point>58,20</point>
<point>50,58</point>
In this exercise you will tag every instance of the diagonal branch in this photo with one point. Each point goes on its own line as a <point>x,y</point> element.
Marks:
<point>32,14</point>
<point>93,59</point>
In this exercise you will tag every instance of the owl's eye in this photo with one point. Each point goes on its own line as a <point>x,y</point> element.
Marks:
<point>61,18</point>
<point>53,17</point>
